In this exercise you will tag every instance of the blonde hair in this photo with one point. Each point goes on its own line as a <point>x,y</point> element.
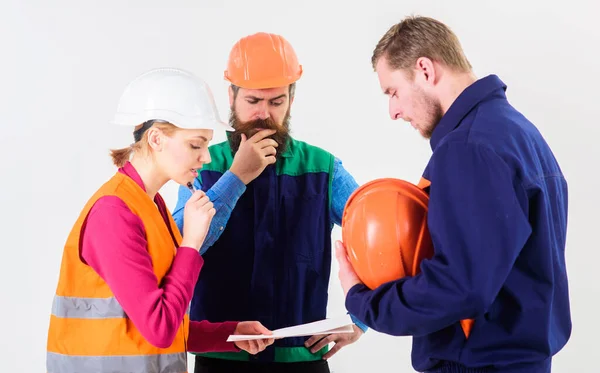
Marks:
<point>121,156</point>
<point>415,37</point>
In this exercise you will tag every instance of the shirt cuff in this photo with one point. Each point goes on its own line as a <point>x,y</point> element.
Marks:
<point>205,336</point>
<point>354,298</point>
<point>358,323</point>
<point>228,186</point>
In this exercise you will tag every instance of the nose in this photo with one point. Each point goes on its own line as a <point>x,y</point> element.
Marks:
<point>262,111</point>
<point>394,109</point>
<point>204,157</point>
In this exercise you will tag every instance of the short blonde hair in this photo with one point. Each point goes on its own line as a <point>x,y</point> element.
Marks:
<point>121,156</point>
<point>415,37</point>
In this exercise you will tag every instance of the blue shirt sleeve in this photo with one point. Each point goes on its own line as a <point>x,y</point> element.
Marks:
<point>478,226</point>
<point>343,185</point>
<point>224,194</point>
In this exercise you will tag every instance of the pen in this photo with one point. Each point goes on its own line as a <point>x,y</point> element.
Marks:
<point>191,187</point>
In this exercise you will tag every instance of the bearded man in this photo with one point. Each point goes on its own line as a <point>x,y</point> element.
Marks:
<point>277,200</point>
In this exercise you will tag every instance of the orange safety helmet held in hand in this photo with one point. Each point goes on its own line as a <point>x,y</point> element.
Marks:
<point>262,60</point>
<point>384,228</point>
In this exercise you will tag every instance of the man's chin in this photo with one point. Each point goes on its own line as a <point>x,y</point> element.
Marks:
<point>426,133</point>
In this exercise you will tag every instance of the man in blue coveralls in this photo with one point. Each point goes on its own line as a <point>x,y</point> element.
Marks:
<point>497,218</point>
<point>276,200</point>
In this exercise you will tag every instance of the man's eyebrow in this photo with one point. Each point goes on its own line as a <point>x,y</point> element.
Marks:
<point>202,138</point>
<point>278,97</point>
<point>254,98</point>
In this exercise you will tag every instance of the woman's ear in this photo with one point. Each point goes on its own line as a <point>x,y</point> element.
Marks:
<point>155,139</point>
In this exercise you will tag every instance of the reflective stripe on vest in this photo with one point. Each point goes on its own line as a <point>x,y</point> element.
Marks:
<point>162,363</point>
<point>88,308</point>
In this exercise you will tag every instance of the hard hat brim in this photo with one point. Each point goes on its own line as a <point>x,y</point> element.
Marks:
<point>262,84</point>
<point>185,122</point>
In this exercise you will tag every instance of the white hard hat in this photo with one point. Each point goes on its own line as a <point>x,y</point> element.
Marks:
<point>172,95</point>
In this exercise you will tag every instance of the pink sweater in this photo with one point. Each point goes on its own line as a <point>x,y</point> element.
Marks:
<point>114,245</point>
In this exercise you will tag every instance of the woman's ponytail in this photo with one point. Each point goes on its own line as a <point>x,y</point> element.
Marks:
<point>121,156</point>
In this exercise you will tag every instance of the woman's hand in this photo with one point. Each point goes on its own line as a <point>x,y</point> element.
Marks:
<point>253,328</point>
<point>198,214</point>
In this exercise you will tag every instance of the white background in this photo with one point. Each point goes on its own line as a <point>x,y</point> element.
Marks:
<point>64,64</point>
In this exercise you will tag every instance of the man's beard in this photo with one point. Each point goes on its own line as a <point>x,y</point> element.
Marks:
<point>250,128</point>
<point>434,112</point>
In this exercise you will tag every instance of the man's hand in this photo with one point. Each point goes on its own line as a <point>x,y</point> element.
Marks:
<point>317,342</point>
<point>347,275</point>
<point>253,328</point>
<point>254,155</point>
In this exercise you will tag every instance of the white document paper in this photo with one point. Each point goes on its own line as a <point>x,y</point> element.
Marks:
<point>342,324</point>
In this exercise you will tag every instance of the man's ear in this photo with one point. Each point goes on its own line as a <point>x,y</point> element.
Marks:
<point>426,70</point>
<point>231,98</point>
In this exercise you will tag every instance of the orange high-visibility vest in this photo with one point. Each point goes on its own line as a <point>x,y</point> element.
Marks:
<point>89,331</point>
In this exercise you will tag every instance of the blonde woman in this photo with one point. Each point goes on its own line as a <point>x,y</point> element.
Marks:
<point>127,275</point>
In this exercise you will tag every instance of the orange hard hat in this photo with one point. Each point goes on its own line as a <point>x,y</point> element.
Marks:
<point>384,229</point>
<point>262,60</point>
